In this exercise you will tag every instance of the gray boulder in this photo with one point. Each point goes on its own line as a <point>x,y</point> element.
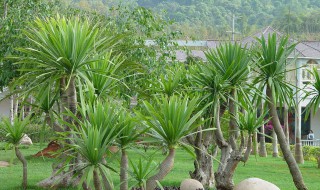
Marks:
<point>26,140</point>
<point>190,184</point>
<point>255,184</point>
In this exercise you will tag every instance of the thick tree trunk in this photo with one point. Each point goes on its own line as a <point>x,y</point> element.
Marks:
<point>293,166</point>
<point>275,152</point>
<point>228,161</point>
<point>233,127</point>
<point>63,178</point>
<point>124,171</point>
<point>224,178</point>
<point>96,180</point>
<point>203,165</point>
<point>72,95</point>
<point>25,167</point>
<point>164,168</point>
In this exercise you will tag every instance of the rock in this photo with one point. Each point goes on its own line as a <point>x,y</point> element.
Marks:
<point>26,140</point>
<point>191,184</point>
<point>255,184</point>
<point>4,164</point>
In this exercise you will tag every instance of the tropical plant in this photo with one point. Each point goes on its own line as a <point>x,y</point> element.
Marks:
<point>92,134</point>
<point>142,170</point>
<point>13,133</point>
<point>249,122</point>
<point>129,133</point>
<point>170,120</point>
<point>59,52</point>
<point>314,93</point>
<point>222,81</point>
<point>271,64</point>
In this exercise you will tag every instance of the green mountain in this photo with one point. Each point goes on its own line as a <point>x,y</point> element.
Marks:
<point>202,19</point>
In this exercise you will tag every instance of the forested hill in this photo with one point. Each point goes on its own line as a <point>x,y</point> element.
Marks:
<point>211,18</point>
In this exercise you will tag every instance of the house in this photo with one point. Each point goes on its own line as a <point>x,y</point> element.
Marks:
<point>306,56</point>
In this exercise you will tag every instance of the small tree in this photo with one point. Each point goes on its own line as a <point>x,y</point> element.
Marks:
<point>271,61</point>
<point>129,133</point>
<point>93,131</point>
<point>170,120</point>
<point>13,133</point>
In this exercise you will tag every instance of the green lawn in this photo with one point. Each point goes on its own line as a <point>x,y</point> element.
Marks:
<point>271,169</point>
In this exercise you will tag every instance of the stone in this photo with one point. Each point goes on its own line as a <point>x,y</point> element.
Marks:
<point>26,140</point>
<point>255,184</point>
<point>191,184</point>
<point>4,164</point>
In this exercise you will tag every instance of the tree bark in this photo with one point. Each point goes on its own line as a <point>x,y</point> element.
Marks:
<point>286,122</point>
<point>96,180</point>
<point>16,105</point>
<point>275,152</point>
<point>263,149</point>
<point>25,167</point>
<point>224,178</point>
<point>224,174</point>
<point>248,151</point>
<point>233,127</point>
<point>124,171</point>
<point>203,165</point>
<point>72,95</point>
<point>255,144</point>
<point>11,109</point>
<point>293,166</point>
<point>164,168</point>
<point>64,178</point>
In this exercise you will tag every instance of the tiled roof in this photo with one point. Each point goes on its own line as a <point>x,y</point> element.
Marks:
<point>303,49</point>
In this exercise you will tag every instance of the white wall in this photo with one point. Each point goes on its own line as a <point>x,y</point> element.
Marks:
<point>315,124</point>
<point>4,108</point>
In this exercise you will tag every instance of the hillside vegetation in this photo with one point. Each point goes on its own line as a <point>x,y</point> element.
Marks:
<point>201,19</point>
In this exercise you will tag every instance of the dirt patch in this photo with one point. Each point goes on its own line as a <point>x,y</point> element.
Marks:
<point>52,147</point>
<point>4,164</point>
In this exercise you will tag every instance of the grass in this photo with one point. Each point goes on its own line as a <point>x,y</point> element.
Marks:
<point>271,169</point>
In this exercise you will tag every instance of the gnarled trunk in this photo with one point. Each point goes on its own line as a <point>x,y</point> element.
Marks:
<point>228,161</point>
<point>25,167</point>
<point>124,171</point>
<point>164,168</point>
<point>291,162</point>
<point>224,178</point>
<point>203,165</point>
